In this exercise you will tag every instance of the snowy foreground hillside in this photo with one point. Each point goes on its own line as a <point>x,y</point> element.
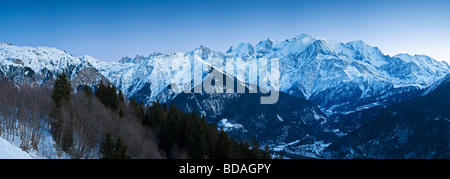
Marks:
<point>9,151</point>
<point>10,148</point>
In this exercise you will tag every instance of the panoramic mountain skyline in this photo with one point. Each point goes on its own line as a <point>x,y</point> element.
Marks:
<point>328,88</point>
<point>110,30</point>
<point>224,79</point>
<point>331,86</point>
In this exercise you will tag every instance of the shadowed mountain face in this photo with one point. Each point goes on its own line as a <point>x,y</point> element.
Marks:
<point>243,116</point>
<point>417,128</point>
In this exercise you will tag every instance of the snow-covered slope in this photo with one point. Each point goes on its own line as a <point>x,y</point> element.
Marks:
<point>9,151</point>
<point>40,65</point>
<point>11,144</point>
<point>39,59</point>
<point>147,79</point>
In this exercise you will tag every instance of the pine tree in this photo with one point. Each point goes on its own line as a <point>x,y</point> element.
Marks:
<point>121,98</point>
<point>100,93</point>
<point>224,148</point>
<point>266,154</point>
<point>107,148</point>
<point>112,99</point>
<point>256,151</point>
<point>87,91</point>
<point>113,150</point>
<point>61,90</point>
<point>121,113</point>
<point>120,150</point>
<point>62,128</point>
<point>108,96</point>
<point>155,115</point>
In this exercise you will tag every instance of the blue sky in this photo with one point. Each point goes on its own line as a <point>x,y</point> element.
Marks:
<point>112,29</point>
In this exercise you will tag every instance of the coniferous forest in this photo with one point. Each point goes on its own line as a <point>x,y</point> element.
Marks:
<point>102,123</point>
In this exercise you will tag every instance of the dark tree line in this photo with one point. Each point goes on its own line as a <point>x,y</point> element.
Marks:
<point>184,135</point>
<point>111,149</point>
<point>108,95</point>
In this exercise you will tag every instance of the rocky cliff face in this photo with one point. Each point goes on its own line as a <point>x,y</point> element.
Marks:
<point>243,116</point>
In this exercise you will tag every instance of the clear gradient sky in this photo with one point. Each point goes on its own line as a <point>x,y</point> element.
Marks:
<point>111,29</point>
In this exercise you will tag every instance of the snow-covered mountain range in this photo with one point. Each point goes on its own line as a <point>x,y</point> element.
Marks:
<point>344,80</point>
<point>330,73</point>
<point>40,65</point>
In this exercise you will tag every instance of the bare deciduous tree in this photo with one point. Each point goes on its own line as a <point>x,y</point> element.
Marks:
<point>25,111</point>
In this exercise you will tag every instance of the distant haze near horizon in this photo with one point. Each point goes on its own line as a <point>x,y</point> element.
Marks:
<point>110,30</point>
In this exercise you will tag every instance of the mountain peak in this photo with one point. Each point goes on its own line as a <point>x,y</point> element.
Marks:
<point>266,43</point>
<point>126,60</point>
<point>7,44</point>
<point>303,35</point>
<point>264,46</point>
<point>203,50</point>
<point>88,57</point>
<point>201,47</point>
<point>297,44</point>
<point>241,50</point>
<point>320,47</point>
<point>358,45</point>
<point>364,50</point>
<point>357,42</point>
